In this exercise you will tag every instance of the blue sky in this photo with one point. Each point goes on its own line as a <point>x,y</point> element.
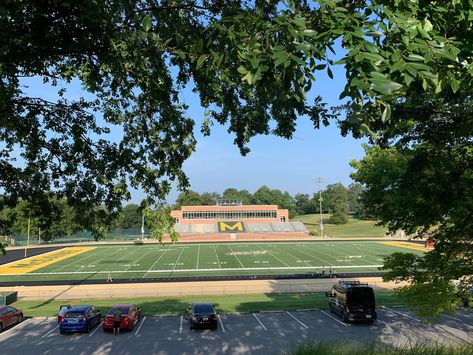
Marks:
<point>287,165</point>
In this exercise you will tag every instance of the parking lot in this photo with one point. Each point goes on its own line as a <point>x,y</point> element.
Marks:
<point>249,333</point>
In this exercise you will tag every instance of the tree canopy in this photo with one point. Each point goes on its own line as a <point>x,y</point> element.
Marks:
<point>252,64</point>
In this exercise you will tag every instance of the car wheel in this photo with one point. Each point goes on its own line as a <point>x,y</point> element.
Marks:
<point>87,328</point>
<point>20,319</point>
<point>1,327</point>
<point>62,332</point>
<point>331,308</point>
<point>345,317</point>
<point>191,327</point>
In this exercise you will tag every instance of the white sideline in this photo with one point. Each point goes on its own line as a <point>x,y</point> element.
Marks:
<point>52,330</point>
<point>198,270</point>
<point>96,328</point>
<point>221,323</point>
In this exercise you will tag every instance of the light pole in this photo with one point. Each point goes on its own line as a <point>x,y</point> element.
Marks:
<point>143,226</point>
<point>320,180</point>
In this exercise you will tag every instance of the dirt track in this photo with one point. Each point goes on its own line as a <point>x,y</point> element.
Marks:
<point>201,288</point>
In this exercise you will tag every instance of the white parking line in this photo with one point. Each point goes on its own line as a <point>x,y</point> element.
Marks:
<point>305,326</point>
<point>260,323</point>
<point>180,326</point>
<point>335,319</point>
<point>380,321</point>
<point>404,315</point>
<point>139,327</point>
<point>52,330</point>
<point>96,328</point>
<point>221,323</point>
<point>19,326</point>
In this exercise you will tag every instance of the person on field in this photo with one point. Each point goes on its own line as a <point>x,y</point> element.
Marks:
<point>117,316</point>
<point>109,277</point>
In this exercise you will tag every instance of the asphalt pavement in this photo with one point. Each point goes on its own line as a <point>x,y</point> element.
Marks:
<point>248,333</point>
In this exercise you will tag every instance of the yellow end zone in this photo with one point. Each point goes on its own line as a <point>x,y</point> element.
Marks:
<point>37,262</point>
<point>407,245</point>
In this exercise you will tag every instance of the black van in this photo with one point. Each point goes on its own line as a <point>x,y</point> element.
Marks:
<point>353,301</point>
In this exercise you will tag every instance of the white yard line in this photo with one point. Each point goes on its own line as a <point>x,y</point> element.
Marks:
<point>221,323</point>
<point>92,254</point>
<point>141,324</point>
<point>295,257</point>
<point>313,256</point>
<point>52,330</point>
<point>190,270</point>
<point>404,315</point>
<point>260,323</point>
<point>149,251</point>
<point>274,256</point>
<point>96,328</point>
<point>198,255</point>
<point>164,252</point>
<point>236,256</point>
<point>305,326</point>
<point>175,264</point>
<point>180,326</point>
<point>17,327</point>
<point>335,319</point>
<point>218,261</point>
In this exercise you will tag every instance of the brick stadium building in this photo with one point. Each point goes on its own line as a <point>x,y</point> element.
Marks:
<point>231,216</point>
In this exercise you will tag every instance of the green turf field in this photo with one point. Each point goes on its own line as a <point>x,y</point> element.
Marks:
<point>164,261</point>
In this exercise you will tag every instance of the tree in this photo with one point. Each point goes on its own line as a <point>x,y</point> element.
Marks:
<point>253,80</point>
<point>244,195</point>
<point>209,198</point>
<point>355,204</point>
<point>160,223</point>
<point>303,204</point>
<point>335,199</point>
<point>188,198</point>
<point>130,217</point>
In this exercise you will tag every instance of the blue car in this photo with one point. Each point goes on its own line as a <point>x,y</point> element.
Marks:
<point>80,319</point>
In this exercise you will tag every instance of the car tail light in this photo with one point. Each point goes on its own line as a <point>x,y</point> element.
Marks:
<point>84,316</point>
<point>62,320</point>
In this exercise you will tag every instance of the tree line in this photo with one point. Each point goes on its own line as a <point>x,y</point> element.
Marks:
<point>63,219</point>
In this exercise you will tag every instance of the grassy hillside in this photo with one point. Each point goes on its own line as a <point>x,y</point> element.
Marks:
<point>354,228</point>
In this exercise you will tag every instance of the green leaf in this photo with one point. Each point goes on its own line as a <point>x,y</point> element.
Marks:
<point>386,115</point>
<point>310,33</point>
<point>415,57</point>
<point>146,23</point>
<point>455,85</point>
<point>201,60</point>
<point>385,86</point>
<point>242,70</point>
<point>329,73</point>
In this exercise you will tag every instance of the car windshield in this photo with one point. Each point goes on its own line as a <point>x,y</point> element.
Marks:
<point>74,314</point>
<point>361,296</point>
<point>123,310</point>
<point>203,309</point>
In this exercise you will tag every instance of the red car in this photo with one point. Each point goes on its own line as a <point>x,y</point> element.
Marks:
<point>130,316</point>
<point>9,315</point>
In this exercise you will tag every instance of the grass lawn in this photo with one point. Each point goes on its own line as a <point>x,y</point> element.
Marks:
<point>354,228</point>
<point>223,304</point>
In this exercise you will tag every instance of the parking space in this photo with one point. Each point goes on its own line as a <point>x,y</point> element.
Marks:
<point>258,333</point>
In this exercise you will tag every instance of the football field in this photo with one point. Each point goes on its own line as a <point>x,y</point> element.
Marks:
<point>220,259</point>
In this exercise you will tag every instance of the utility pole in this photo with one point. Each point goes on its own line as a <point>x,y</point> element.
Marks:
<point>320,180</point>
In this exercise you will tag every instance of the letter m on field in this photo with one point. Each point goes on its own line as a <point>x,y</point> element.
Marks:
<point>236,226</point>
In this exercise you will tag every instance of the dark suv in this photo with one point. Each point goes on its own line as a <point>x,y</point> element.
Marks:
<point>353,301</point>
<point>201,315</point>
